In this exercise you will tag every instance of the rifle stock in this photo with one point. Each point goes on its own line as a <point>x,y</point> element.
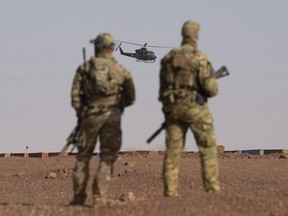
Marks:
<point>71,140</point>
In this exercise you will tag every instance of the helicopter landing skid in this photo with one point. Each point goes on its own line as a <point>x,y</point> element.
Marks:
<point>147,61</point>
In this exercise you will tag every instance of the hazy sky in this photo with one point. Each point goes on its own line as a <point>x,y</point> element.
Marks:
<point>41,46</point>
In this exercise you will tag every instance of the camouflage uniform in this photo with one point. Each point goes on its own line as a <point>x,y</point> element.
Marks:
<point>185,85</point>
<point>100,103</point>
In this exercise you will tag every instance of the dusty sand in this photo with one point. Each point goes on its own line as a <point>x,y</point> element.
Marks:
<point>251,185</point>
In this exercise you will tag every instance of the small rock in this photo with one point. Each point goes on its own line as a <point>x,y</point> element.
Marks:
<point>51,175</point>
<point>283,157</point>
<point>129,164</point>
<point>19,174</point>
<point>65,170</point>
<point>127,171</point>
<point>127,197</point>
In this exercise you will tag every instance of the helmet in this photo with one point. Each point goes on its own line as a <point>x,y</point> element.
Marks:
<point>190,29</point>
<point>103,40</point>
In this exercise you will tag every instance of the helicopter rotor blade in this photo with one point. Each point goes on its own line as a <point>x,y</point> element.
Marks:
<point>160,46</point>
<point>118,47</point>
<point>143,45</point>
<point>129,43</point>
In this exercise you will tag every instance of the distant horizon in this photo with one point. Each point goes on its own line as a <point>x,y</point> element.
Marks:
<point>121,151</point>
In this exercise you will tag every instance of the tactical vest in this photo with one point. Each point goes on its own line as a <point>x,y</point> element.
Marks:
<point>179,75</point>
<point>100,87</point>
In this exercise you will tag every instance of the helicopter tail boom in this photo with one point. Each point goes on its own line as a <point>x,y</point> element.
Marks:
<point>133,55</point>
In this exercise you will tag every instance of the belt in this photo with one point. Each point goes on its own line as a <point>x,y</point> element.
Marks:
<point>101,108</point>
<point>186,87</point>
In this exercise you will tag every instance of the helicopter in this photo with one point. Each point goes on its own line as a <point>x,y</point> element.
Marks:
<point>142,54</point>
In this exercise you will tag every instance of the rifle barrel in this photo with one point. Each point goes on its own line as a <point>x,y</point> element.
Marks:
<point>156,133</point>
<point>84,54</point>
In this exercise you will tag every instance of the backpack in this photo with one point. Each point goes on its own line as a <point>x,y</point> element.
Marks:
<point>178,76</point>
<point>101,79</point>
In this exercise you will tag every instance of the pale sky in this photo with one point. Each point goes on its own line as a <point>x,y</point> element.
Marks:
<point>41,46</point>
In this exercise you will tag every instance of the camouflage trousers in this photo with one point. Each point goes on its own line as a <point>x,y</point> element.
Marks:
<point>107,127</point>
<point>199,120</point>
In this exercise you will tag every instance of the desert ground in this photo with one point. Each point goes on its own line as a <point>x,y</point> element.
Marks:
<point>251,185</point>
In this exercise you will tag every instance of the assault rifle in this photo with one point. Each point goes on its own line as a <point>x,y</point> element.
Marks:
<point>156,132</point>
<point>71,140</point>
<point>74,135</point>
<point>222,72</point>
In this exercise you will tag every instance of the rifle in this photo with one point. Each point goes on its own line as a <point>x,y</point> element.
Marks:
<point>71,140</point>
<point>163,125</point>
<point>74,135</point>
<point>84,55</point>
<point>222,72</point>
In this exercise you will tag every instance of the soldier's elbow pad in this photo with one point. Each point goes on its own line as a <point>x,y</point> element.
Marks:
<point>210,87</point>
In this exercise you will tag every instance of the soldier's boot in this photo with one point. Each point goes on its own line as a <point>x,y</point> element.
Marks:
<point>78,200</point>
<point>210,169</point>
<point>80,179</point>
<point>171,193</point>
<point>101,183</point>
<point>99,200</point>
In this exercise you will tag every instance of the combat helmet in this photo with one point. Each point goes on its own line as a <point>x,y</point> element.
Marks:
<point>103,40</point>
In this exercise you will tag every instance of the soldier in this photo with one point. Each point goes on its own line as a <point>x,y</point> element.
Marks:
<point>101,89</point>
<point>186,82</point>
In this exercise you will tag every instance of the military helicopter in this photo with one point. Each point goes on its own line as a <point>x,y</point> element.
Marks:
<point>142,54</point>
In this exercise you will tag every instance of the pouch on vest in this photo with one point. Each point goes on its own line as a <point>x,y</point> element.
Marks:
<point>104,84</point>
<point>179,78</point>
